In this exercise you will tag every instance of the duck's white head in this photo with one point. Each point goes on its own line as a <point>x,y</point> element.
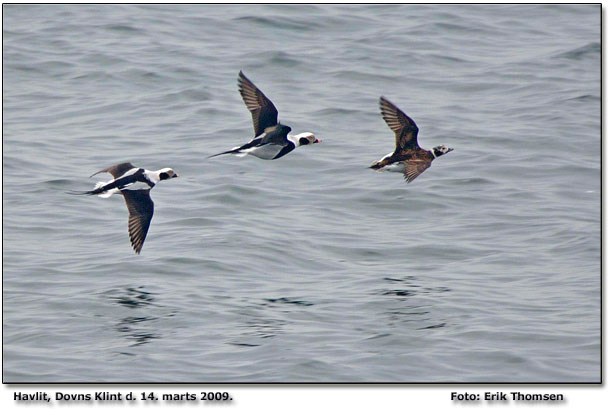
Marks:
<point>304,138</point>
<point>167,173</point>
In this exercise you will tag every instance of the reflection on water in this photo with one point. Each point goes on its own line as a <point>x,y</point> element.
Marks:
<point>129,326</point>
<point>287,300</point>
<point>419,298</point>
<point>134,298</point>
<point>259,324</point>
<point>138,329</point>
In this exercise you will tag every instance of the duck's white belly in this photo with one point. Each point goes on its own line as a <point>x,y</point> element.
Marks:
<point>268,151</point>
<point>395,167</point>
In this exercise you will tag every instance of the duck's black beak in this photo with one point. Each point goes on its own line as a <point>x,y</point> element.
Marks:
<point>450,149</point>
<point>317,141</point>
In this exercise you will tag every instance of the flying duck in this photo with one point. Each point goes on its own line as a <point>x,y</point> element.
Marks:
<point>272,139</point>
<point>408,158</point>
<point>135,185</point>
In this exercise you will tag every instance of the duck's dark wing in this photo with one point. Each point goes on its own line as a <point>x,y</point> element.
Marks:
<point>277,135</point>
<point>263,112</point>
<point>406,131</point>
<point>286,149</point>
<point>414,167</point>
<point>141,209</point>
<point>116,170</point>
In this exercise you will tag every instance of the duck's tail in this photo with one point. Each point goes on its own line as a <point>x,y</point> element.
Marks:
<point>235,151</point>
<point>100,190</point>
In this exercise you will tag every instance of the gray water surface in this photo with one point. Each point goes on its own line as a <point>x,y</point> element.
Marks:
<point>311,268</point>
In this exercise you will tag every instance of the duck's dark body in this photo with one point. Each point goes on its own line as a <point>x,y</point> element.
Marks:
<point>408,158</point>
<point>412,154</point>
<point>123,183</point>
<point>271,144</point>
<point>272,139</point>
<point>134,184</point>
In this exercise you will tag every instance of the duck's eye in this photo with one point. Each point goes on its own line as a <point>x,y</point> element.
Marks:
<point>164,176</point>
<point>304,141</point>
